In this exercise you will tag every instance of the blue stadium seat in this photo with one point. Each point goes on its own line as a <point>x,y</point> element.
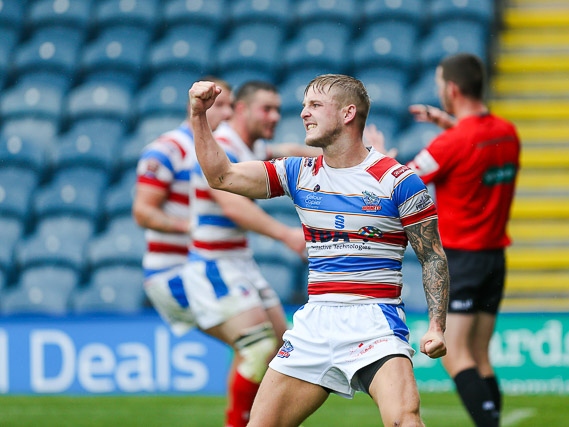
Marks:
<point>413,293</point>
<point>252,46</point>
<point>380,11</point>
<point>72,14</point>
<point>117,54</point>
<point>22,153</point>
<point>31,100</point>
<point>16,188</point>
<point>276,205</point>
<point>120,196</point>
<point>290,129</point>
<point>389,45</point>
<point>72,191</point>
<point>212,13</point>
<point>112,289</point>
<point>273,12</point>
<point>166,94</point>
<point>387,94</point>
<point>11,230</point>
<point>37,129</point>
<point>452,37</point>
<point>282,279</point>
<point>121,243</point>
<point>79,228</point>
<point>292,92</point>
<point>477,11</point>
<point>320,46</point>
<point>3,277</point>
<point>236,77</point>
<point>52,50</point>
<point>413,139</point>
<point>424,90</point>
<point>388,124</point>
<point>141,13</point>
<point>82,151</point>
<point>12,14</point>
<point>266,249</point>
<point>343,12</point>
<point>8,43</point>
<point>100,100</point>
<point>185,49</point>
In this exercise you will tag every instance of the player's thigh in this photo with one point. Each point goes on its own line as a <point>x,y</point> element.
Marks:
<point>285,401</point>
<point>395,392</point>
<point>234,327</point>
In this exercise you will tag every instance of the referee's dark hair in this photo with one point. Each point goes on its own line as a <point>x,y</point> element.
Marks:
<point>467,72</point>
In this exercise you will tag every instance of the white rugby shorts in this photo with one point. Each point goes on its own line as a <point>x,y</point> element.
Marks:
<point>330,342</point>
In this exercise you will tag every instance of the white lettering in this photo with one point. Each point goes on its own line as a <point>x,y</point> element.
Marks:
<point>181,360</point>
<point>162,350</point>
<point>96,365</point>
<point>135,373</point>
<point>61,381</point>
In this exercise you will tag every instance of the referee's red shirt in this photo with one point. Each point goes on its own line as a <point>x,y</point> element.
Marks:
<point>473,167</point>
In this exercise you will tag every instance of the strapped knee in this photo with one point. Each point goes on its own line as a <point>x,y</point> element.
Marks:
<point>255,348</point>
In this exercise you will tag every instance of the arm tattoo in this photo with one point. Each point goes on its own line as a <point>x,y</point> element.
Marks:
<point>425,240</point>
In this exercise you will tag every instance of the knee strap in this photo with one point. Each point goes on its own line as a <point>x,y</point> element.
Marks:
<point>255,347</point>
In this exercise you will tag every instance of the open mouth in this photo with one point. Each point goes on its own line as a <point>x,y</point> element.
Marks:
<point>310,126</point>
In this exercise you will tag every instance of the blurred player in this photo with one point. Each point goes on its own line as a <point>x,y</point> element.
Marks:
<point>358,209</point>
<point>473,166</point>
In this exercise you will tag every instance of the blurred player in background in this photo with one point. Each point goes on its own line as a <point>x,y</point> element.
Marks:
<point>473,165</point>
<point>358,208</point>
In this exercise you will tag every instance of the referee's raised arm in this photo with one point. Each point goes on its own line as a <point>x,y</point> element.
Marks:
<point>247,178</point>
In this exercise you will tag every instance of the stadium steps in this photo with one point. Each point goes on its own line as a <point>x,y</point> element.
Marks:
<point>530,87</point>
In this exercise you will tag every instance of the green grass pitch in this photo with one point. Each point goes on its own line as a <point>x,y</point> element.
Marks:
<point>438,409</point>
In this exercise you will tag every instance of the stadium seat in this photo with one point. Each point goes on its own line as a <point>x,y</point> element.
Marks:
<point>16,188</point>
<point>140,13</point>
<point>413,293</point>
<point>343,12</point>
<point>388,95</point>
<point>277,205</point>
<point>452,37</point>
<point>282,279</point>
<point>119,197</point>
<point>166,94</point>
<point>112,289</point>
<point>380,11</point>
<point>290,129</point>
<point>8,43</point>
<point>212,13</point>
<point>100,100</point>
<point>116,55</point>
<point>292,91</point>
<point>79,228</point>
<point>424,90</point>
<point>72,14</point>
<point>413,139</point>
<point>388,124</point>
<point>121,243</point>
<point>477,11</point>
<point>22,153</point>
<point>251,46</point>
<point>12,14</point>
<point>72,191</point>
<point>11,230</point>
<point>388,45</point>
<point>38,129</point>
<point>31,100</point>
<point>272,12</point>
<point>266,249</point>
<point>54,50</point>
<point>236,77</point>
<point>186,49</point>
<point>321,46</point>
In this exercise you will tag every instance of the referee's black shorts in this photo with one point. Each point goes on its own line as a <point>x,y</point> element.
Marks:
<point>476,280</point>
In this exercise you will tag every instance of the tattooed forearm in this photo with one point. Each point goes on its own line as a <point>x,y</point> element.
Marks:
<point>426,243</point>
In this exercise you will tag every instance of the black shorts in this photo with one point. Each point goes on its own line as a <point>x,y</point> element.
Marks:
<point>476,280</point>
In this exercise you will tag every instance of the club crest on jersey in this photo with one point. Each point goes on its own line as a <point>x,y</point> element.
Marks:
<point>370,232</point>
<point>372,202</point>
<point>285,350</point>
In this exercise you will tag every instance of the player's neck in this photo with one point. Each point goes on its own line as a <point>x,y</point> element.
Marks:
<point>345,155</point>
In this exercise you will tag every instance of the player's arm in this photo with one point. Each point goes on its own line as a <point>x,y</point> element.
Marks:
<point>246,178</point>
<point>148,213</point>
<point>425,241</point>
<point>248,215</point>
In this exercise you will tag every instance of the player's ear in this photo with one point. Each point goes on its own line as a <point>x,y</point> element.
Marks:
<point>349,113</point>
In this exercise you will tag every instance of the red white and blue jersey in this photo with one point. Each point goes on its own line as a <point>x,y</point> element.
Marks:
<point>214,234</point>
<point>353,220</point>
<point>166,163</point>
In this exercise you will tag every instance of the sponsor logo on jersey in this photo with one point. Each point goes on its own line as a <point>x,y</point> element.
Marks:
<point>285,350</point>
<point>312,200</point>
<point>372,202</point>
<point>370,231</point>
<point>423,202</point>
<point>399,171</point>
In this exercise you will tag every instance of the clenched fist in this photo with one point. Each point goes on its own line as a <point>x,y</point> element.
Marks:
<point>202,96</point>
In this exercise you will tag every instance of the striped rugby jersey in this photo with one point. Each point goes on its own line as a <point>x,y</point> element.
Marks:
<point>165,163</point>
<point>353,220</point>
<point>213,233</point>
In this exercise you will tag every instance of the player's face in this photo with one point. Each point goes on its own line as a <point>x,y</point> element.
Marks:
<point>263,114</point>
<point>221,110</point>
<point>321,117</point>
<point>443,90</point>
